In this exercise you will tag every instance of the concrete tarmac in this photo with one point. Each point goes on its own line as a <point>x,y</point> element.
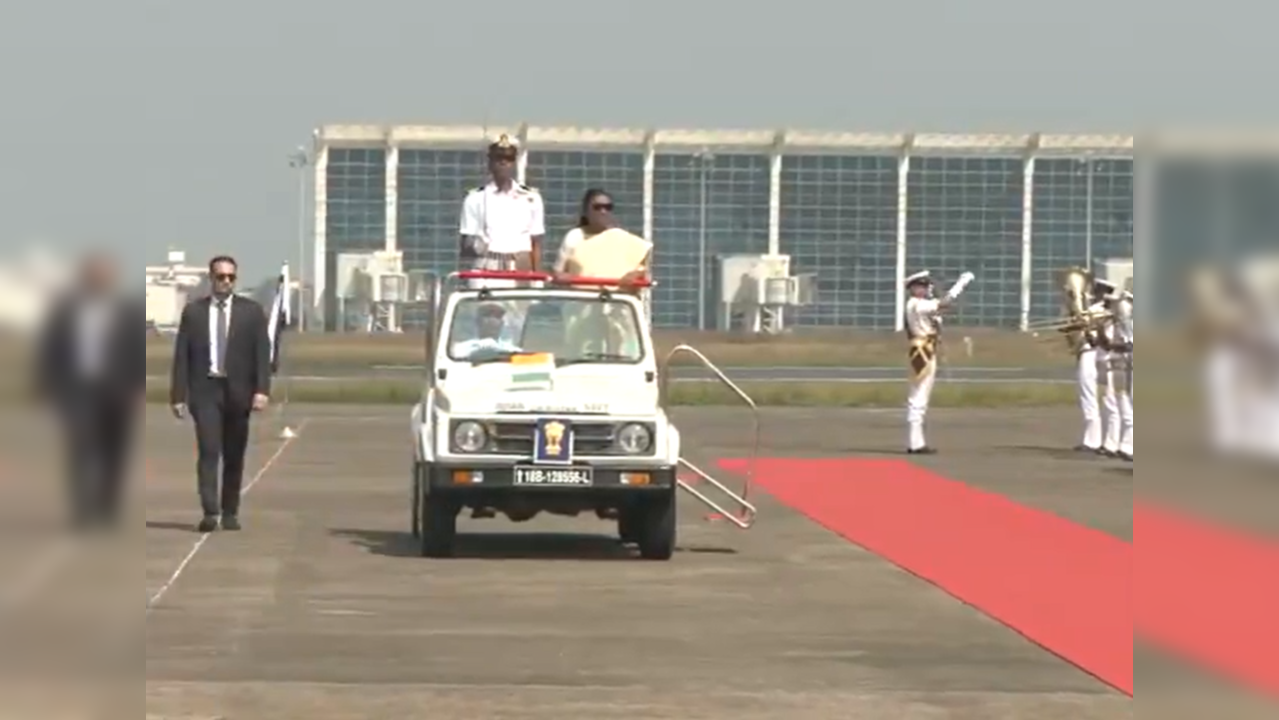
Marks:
<point>322,609</point>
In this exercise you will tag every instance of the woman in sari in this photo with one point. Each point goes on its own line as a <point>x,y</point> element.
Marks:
<point>597,217</point>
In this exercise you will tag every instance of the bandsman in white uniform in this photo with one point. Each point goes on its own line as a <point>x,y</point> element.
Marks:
<point>503,221</point>
<point>1118,366</point>
<point>1092,365</point>
<point>923,329</point>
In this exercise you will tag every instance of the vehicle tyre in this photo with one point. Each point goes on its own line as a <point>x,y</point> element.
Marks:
<point>439,525</point>
<point>657,528</point>
<point>629,522</point>
<point>416,502</point>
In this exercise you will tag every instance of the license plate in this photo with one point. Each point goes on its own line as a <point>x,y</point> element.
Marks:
<point>554,477</point>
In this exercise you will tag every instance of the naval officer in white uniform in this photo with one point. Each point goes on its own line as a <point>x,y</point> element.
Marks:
<point>923,330</point>
<point>1121,362</point>
<point>1092,368</point>
<point>503,221</point>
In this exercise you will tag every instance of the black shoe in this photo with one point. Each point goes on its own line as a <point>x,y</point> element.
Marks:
<point>1086,449</point>
<point>1124,456</point>
<point>207,525</point>
<point>231,523</point>
<point>1107,454</point>
<point>922,451</point>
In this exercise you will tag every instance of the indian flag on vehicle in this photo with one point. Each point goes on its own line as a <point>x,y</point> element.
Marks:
<point>532,372</point>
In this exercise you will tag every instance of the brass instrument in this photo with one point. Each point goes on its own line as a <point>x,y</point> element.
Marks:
<point>1217,311</point>
<point>1080,323</point>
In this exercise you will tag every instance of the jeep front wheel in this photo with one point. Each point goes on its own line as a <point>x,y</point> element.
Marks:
<point>656,531</point>
<point>439,525</point>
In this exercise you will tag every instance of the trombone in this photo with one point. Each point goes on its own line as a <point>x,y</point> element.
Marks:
<point>1080,323</point>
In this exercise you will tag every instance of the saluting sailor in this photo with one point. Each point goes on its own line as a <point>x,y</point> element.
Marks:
<point>503,221</point>
<point>923,330</point>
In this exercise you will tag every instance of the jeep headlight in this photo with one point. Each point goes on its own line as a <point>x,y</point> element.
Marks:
<point>634,439</point>
<point>470,436</point>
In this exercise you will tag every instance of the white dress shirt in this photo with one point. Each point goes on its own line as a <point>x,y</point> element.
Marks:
<point>214,351</point>
<point>93,333</point>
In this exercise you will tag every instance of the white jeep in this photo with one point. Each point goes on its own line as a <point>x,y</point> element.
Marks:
<point>548,400</point>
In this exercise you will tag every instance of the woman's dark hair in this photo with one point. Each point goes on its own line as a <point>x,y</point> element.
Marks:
<point>587,201</point>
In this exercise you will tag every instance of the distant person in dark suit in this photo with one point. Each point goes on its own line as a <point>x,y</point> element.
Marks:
<point>221,376</point>
<point>92,370</point>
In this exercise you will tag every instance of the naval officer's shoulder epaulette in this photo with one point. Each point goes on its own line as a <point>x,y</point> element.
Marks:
<point>527,188</point>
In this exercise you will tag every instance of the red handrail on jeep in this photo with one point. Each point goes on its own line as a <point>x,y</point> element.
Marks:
<point>533,276</point>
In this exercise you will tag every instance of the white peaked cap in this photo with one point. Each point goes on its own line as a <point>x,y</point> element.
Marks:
<point>924,277</point>
<point>503,140</point>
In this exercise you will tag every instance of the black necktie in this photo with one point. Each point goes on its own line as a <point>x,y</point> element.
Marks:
<point>220,339</point>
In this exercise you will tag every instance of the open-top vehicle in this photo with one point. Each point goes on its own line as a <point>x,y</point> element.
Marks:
<point>550,398</point>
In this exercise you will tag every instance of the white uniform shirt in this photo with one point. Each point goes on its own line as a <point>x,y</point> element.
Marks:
<point>1124,329</point>
<point>466,348</point>
<point>214,353</point>
<point>923,317</point>
<point>1107,329</point>
<point>506,221</point>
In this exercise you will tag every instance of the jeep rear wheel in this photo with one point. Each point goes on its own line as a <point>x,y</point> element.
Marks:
<point>657,528</point>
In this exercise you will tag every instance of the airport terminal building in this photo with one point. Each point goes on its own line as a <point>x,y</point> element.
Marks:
<point>852,213</point>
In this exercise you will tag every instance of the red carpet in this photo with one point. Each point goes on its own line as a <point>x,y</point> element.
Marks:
<point>1063,586</point>
<point>1208,594</point>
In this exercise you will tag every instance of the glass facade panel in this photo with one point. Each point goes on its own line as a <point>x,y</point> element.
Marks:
<point>704,206</point>
<point>839,220</point>
<point>965,215</point>
<point>431,186</point>
<point>1060,230</point>
<point>1250,195</point>
<point>1187,228</point>
<point>355,220</point>
<point>563,177</point>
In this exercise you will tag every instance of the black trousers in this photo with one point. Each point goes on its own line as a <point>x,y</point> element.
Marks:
<point>222,438</point>
<point>99,429</point>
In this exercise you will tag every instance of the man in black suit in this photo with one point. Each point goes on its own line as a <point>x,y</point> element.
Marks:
<point>221,376</point>
<point>92,369</point>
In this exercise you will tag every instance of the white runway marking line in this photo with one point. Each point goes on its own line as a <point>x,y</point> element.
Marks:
<point>195,550</point>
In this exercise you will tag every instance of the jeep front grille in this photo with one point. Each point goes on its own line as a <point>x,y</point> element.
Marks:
<point>516,438</point>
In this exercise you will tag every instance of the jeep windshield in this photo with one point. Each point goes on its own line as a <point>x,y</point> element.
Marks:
<point>575,330</point>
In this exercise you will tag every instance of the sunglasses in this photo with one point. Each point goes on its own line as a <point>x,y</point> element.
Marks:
<point>225,277</point>
<point>602,207</point>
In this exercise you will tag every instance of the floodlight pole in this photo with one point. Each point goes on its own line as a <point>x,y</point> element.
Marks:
<point>300,160</point>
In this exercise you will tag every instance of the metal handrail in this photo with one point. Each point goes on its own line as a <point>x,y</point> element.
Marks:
<point>744,518</point>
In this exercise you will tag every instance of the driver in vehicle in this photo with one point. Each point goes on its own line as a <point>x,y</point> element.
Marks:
<point>490,327</point>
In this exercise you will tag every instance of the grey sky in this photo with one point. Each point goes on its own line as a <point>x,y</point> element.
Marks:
<point>139,124</point>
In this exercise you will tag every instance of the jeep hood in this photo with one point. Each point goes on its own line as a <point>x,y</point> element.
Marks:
<point>577,389</point>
